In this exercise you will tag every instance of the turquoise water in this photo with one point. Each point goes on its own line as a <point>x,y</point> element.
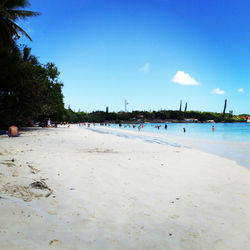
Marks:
<point>230,140</point>
<point>223,131</point>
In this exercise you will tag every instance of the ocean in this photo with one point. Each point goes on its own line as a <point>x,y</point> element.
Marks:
<point>230,140</point>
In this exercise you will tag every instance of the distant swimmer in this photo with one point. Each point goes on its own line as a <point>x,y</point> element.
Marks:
<point>213,128</point>
<point>184,130</point>
<point>157,126</point>
<point>166,126</point>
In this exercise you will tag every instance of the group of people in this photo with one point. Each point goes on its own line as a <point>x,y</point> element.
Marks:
<point>13,130</point>
<point>156,126</point>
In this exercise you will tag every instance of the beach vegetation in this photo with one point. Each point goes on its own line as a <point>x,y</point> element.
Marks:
<point>154,116</point>
<point>29,90</point>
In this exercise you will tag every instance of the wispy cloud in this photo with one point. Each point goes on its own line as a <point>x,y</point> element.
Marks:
<point>183,78</point>
<point>145,68</point>
<point>240,90</point>
<point>218,91</point>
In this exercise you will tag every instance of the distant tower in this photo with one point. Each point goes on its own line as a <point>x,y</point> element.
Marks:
<point>107,109</point>
<point>125,105</point>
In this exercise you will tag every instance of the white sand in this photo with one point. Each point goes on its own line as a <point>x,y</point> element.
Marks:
<point>117,193</point>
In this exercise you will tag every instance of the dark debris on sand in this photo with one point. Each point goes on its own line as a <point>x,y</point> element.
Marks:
<point>41,185</point>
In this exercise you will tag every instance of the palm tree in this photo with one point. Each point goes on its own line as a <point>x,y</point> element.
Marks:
<point>180,105</point>
<point>225,106</point>
<point>10,12</point>
<point>27,57</point>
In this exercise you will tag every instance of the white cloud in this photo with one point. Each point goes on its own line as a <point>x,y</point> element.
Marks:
<point>218,91</point>
<point>240,90</point>
<point>183,78</point>
<point>145,68</point>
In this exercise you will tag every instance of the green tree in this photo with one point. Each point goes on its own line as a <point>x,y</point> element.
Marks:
<point>28,90</point>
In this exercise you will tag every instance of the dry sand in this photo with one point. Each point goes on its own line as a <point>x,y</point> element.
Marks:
<point>99,191</point>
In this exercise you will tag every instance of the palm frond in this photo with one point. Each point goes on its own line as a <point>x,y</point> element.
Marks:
<point>4,13</point>
<point>19,31</point>
<point>13,4</point>
<point>11,11</point>
<point>22,14</point>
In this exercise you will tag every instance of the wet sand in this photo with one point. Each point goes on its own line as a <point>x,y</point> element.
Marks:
<point>238,151</point>
<point>71,188</point>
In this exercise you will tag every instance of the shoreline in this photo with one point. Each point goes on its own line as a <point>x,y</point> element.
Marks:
<point>233,150</point>
<point>112,192</point>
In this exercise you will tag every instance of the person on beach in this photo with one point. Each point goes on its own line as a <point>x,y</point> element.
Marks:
<point>184,130</point>
<point>48,123</point>
<point>213,128</point>
<point>166,126</point>
<point>13,131</point>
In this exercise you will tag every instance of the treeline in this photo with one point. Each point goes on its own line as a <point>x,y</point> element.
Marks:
<point>146,116</point>
<point>29,91</point>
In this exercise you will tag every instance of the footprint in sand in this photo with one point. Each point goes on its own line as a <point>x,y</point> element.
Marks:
<point>51,212</point>
<point>8,163</point>
<point>174,216</point>
<point>15,173</point>
<point>33,170</point>
<point>55,241</point>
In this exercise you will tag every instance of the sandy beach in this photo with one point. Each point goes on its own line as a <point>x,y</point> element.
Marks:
<point>72,188</point>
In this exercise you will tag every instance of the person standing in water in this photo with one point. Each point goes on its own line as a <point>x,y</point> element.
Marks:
<point>184,130</point>
<point>213,128</point>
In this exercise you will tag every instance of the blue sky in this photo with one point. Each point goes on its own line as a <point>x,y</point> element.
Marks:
<point>152,53</point>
